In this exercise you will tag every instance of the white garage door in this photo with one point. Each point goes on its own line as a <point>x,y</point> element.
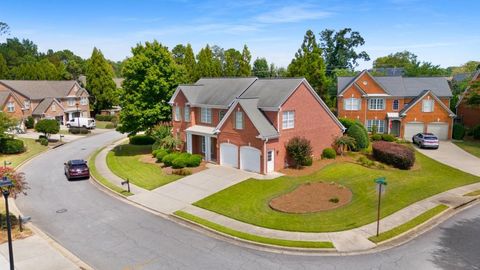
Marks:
<point>439,129</point>
<point>411,129</point>
<point>250,159</point>
<point>229,155</point>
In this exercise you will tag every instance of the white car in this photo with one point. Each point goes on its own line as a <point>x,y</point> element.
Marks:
<point>81,122</point>
<point>425,140</point>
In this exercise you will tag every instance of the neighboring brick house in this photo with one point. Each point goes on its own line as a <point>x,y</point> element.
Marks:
<point>10,105</point>
<point>401,106</point>
<point>60,100</point>
<point>469,115</point>
<point>246,122</point>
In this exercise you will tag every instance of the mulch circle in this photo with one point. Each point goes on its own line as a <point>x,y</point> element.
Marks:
<point>312,197</point>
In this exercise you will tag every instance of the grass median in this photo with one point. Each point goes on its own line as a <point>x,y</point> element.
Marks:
<point>251,237</point>
<point>420,219</point>
<point>33,148</point>
<point>473,147</point>
<point>103,180</point>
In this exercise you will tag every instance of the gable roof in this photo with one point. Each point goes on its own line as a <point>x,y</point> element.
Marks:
<point>424,93</point>
<point>272,93</point>
<point>403,86</point>
<point>250,106</point>
<point>3,97</point>
<point>41,89</point>
<point>44,105</point>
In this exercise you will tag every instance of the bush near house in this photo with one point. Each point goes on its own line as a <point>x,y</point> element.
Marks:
<point>194,160</point>
<point>476,132</point>
<point>168,159</point>
<point>47,126</point>
<point>11,146</point>
<point>388,138</point>
<point>376,137</point>
<point>329,153</point>
<point>141,140</point>
<point>397,155</point>
<point>43,141</point>
<point>347,122</point>
<point>78,130</point>
<point>30,122</point>
<point>179,160</point>
<point>359,133</point>
<point>458,132</point>
<point>300,150</point>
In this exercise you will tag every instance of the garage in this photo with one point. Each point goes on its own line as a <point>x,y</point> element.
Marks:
<point>229,155</point>
<point>250,159</point>
<point>411,129</point>
<point>439,129</point>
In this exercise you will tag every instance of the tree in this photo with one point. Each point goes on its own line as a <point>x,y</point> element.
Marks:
<point>3,68</point>
<point>151,77</point>
<point>47,127</point>
<point>300,150</point>
<point>4,28</point>
<point>178,53</point>
<point>233,62</point>
<point>207,66</point>
<point>100,82</point>
<point>20,186</point>
<point>339,49</point>
<point>245,68</point>
<point>308,63</point>
<point>189,63</point>
<point>260,68</point>
<point>6,122</point>
<point>412,66</point>
<point>468,67</point>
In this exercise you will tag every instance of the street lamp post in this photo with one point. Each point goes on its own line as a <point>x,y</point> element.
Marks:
<point>380,183</point>
<point>78,111</point>
<point>5,185</point>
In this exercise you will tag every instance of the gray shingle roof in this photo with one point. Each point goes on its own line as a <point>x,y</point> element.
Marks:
<point>272,92</point>
<point>40,89</point>
<point>259,120</point>
<point>422,95</point>
<point>43,106</point>
<point>3,97</point>
<point>405,86</point>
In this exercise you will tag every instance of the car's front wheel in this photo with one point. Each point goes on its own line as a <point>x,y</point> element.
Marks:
<point>68,125</point>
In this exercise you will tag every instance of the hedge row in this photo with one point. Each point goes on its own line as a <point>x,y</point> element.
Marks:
<point>78,130</point>
<point>106,118</point>
<point>397,155</point>
<point>179,160</point>
<point>382,137</point>
<point>141,140</point>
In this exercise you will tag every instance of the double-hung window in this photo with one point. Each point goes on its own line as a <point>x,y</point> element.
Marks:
<point>10,107</point>
<point>206,115</point>
<point>376,104</point>
<point>395,105</point>
<point>351,104</point>
<point>288,120</point>
<point>53,108</point>
<point>380,124</point>
<point>84,101</point>
<point>221,114</point>
<point>26,104</point>
<point>203,144</point>
<point>71,102</point>
<point>186,112</point>
<point>178,113</point>
<point>239,120</point>
<point>427,105</point>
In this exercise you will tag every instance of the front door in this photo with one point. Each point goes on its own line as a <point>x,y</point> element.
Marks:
<point>270,160</point>
<point>395,128</point>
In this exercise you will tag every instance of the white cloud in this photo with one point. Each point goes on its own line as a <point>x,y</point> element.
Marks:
<point>291,14</point>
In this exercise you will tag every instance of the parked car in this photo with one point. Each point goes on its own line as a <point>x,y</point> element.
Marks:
<point>426,140</point>
<point>77,168</point>
<point>81,122</point>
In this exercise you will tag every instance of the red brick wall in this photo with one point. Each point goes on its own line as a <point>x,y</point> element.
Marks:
<point>470,115</point>
<point>311,121</point>
<point>178,127</point>
<point>17,113</point>
<point>53,113</point>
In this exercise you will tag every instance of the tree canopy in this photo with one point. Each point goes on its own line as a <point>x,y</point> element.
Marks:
<point>411,65</point>
<point>151,76</point>
<point>260,68</point>
<point>100,82</point>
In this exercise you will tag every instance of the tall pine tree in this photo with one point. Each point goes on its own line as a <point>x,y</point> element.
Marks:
<point>3,68</point>
<point>207,66</point>
<point>245,68</point>
<point>190,63</point>
<point>100,82</point>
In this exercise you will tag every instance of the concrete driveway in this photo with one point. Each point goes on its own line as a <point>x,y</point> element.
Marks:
<point>450,154</point>
<point>181,193</point>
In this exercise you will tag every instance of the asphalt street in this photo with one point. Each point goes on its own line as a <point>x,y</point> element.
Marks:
<point>107,233</point>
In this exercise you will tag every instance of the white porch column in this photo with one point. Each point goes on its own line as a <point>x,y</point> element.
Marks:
<point>208,148</point>
<point>189,142</point>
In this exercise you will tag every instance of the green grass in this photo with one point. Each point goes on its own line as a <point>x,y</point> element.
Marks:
<point>473,193</point>
<point>125,162</point>
<point>103,180</point>
<point>472,147</point>
<point>248,200</point>
<point>33,148</point>
<point>102,124</point>
<point>251,237</point>
<point>422,218</point>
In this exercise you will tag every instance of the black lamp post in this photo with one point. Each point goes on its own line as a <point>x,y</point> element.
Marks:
<point>381,182</point>
<point>5,185</point>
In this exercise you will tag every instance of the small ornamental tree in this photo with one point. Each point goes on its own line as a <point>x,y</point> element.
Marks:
<point>360,135</point>
<point>300,150</point>
<point>47,127</point>
<point>18,179</point>
<point>344,143</point>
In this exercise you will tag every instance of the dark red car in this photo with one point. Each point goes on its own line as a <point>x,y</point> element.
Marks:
<point>77,168</point>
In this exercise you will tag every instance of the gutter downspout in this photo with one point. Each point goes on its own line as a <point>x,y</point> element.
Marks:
<point>265,155</point>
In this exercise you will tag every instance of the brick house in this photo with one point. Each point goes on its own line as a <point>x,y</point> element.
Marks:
<point>10,105</point>
<point>401,106</point>
<point>246,122</point>
<point>469,115</point>
<point>60,100</point>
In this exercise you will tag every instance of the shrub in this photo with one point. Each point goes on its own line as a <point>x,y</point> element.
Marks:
<point>30,122</point>
<point>308,162</point>
<point>168,159</point>
<point>11,146</point>
<point>110,126</point>
<point>376,137</point>
<point>47,126</point>
<point>160,154</point>
<point>180,162</point>
<point>360,135</point>
<point>374,129</point>
<point>78,130</point>
<point>347,123</point>
<point>106,118</point>
<point>43,141</point>
<point>42,137</point>
<point>364,161</point>
<point>397,155</point>
<point>170,143</point>
<point>141,140</point>
<point>299,149</point>
<point>182,171</point>
<point>476,132</point>
<point>458,132</point>
<point>329,153</point>
<point>159,132</point>
<point>334,200</point>
<point>344,143</point>
<point>194,160</point>
<point>388,138</point>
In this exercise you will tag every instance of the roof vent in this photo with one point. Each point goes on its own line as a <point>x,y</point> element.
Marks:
<point>365,82</point>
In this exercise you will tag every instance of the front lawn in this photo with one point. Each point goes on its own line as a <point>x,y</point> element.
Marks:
<point>472,147</point>
<point>248,200</point>
<point>104,124</point>
<point>33,148</point>
<point>125,161</point>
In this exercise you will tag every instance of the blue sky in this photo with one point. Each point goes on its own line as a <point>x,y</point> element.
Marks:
<point>443,32</point>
